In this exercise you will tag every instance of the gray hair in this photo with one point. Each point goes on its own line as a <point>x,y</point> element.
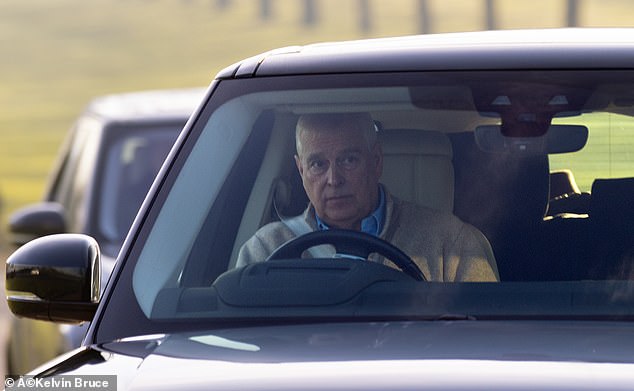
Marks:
<point>316,122</point>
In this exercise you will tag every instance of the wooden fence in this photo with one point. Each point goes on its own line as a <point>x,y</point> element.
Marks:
<point>310,13</point>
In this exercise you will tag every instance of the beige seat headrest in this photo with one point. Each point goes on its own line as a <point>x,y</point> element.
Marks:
<point>417,166</point>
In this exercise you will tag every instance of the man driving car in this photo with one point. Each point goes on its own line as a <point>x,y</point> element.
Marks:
<point>340,163</point>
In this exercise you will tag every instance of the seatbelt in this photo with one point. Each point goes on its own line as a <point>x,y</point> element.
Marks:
<point>299,226</point>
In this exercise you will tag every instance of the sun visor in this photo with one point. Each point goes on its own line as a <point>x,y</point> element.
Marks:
<point>558,139</point>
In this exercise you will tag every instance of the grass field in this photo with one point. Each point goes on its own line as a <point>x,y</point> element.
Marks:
<point>56,55</point>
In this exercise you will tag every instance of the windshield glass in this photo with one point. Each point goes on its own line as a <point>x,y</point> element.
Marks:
<point>506,194</point>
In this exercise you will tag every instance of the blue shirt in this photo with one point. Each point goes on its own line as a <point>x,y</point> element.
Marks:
<point>373,224</point>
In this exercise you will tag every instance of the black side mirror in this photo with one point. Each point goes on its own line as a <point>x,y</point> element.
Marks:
<point>55,278</point>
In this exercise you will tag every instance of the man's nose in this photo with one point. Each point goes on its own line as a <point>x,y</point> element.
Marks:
<point>334,176</point>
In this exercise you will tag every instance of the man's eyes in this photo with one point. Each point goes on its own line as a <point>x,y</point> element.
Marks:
<point>318,166</point>
<point>318,163</point>
<point>348,162</point>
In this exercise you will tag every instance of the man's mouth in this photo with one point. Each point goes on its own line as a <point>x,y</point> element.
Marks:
<point>338,198</point>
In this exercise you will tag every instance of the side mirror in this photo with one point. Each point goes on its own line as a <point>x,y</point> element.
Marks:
<point>55,278</point>
<point>37,220</point>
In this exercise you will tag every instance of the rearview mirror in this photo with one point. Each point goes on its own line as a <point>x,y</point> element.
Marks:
<point>558,139</point>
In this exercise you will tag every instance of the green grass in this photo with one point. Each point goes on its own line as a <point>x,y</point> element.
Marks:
<point>56,55</point>
<point>609,144</point>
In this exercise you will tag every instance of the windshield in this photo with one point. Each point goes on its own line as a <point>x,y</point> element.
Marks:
<point>509,194</point>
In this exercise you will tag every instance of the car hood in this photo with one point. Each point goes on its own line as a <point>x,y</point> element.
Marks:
<point>438,355</point>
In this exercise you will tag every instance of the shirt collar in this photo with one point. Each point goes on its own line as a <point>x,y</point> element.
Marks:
<point>373,224</point>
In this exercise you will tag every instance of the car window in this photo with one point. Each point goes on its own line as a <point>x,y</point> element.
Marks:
<point>77,178</point>
<point>609,152</point>
<point>478,146</point>
<point>132,158</point>
<point>82,143</point>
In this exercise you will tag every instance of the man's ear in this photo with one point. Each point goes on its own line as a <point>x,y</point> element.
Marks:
<point>300,167</point>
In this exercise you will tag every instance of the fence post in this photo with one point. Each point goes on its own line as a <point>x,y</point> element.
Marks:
<point>365,18</point>
<point>424,20</point>
<point>572,17</point>
<point>265,9</point>
<point>489,10</point>
<point>222,4</point>
<point>310,12</point>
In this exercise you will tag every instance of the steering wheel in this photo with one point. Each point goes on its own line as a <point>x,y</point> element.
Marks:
<point>355,243</point>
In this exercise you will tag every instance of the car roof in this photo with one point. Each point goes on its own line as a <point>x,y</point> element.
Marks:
<point>176,104</point>
<point>499,49</point>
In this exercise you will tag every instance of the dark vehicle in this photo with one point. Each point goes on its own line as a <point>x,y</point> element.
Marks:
<point>469,127</point>
<point>105,167</point>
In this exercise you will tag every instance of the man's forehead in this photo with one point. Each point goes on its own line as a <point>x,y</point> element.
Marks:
<point>327,142</point>
<point>329,152</point>
<point>349,136</point>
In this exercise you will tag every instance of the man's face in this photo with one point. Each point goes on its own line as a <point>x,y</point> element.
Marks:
<point>340,175</point>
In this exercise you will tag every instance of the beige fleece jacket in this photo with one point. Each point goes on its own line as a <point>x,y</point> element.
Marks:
<point>443,247</point>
